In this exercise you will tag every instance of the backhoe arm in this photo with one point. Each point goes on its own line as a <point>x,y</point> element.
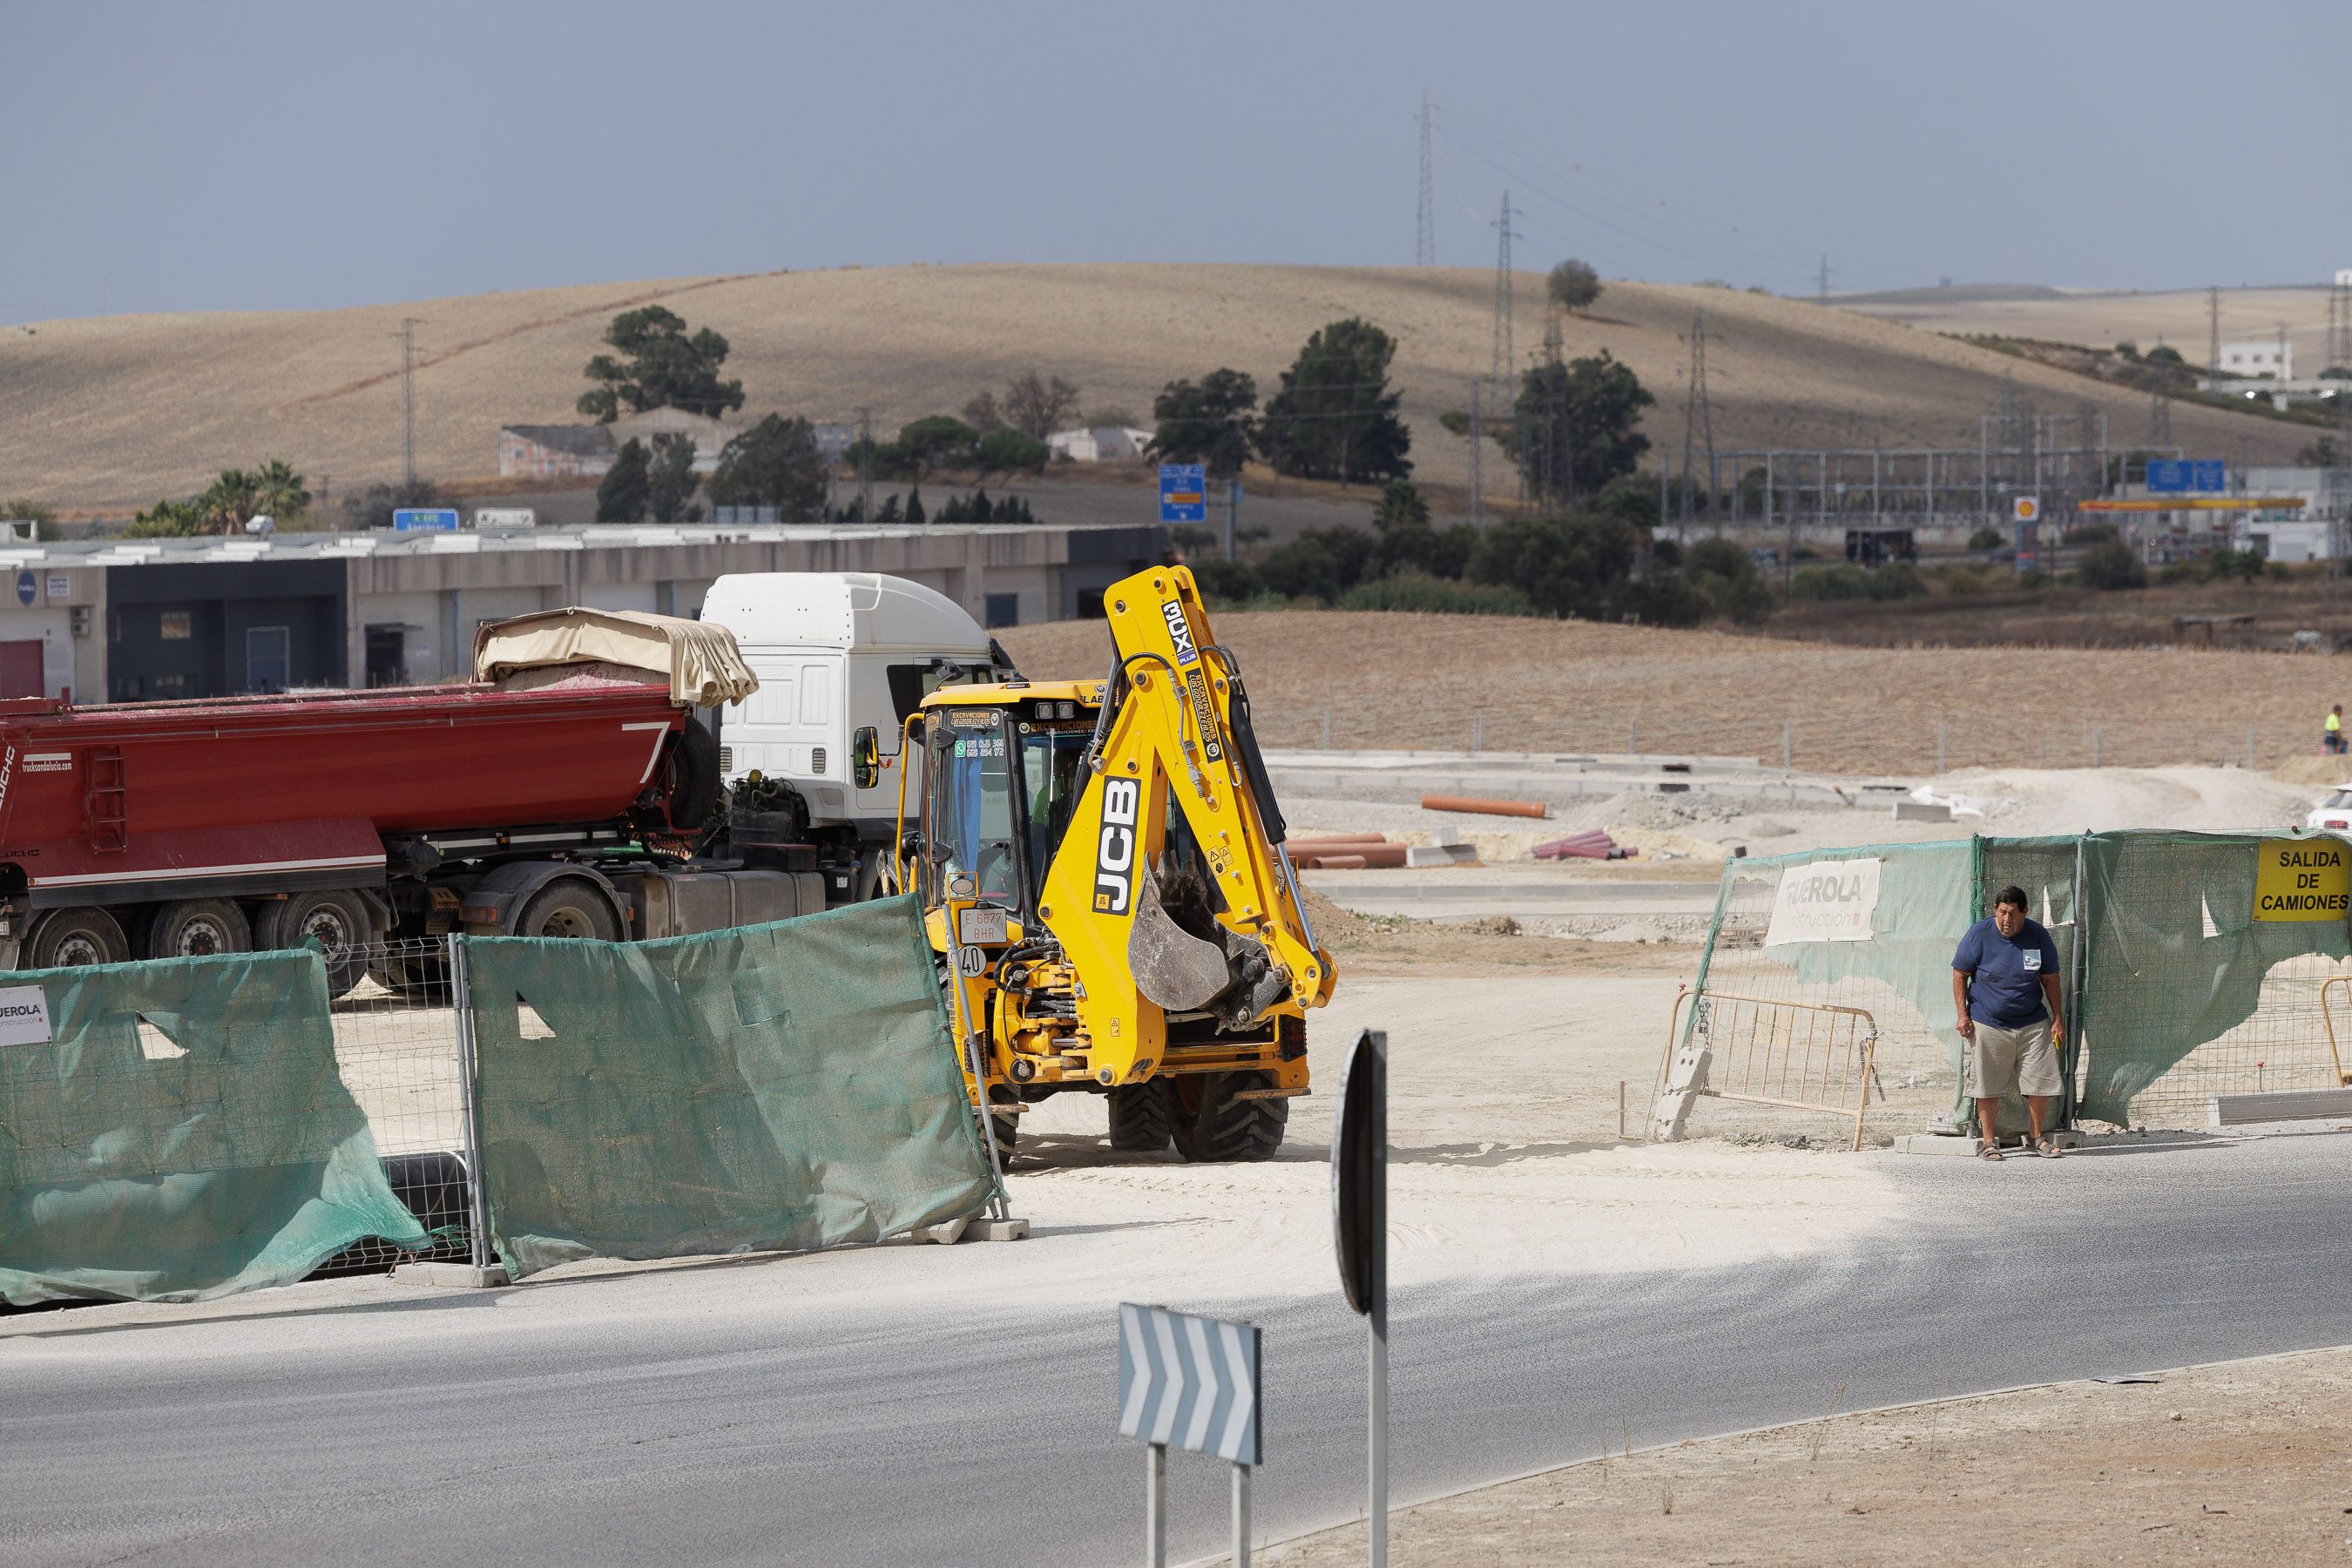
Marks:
<point>1174,733</point>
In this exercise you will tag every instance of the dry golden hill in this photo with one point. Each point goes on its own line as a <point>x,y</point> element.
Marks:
<point>2178,317</point>
<point>1414,681</point>
<point>114,412</point>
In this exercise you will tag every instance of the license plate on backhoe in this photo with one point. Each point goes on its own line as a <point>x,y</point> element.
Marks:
<point>982,924</point>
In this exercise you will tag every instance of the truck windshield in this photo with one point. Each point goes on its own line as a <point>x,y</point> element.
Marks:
<point>1051,783</point>
<point>971,825</point>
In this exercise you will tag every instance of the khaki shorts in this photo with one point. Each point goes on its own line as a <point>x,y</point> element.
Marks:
<point>2011,1061</point>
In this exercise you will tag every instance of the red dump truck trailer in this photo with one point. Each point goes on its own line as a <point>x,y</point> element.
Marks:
<point>570,805</point>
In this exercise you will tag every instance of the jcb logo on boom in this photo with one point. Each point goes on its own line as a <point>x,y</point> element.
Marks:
<point>1115,850</point>
<point>1181,630</point>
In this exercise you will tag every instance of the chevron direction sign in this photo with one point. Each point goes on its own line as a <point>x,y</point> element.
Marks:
<point>1189,1382</point>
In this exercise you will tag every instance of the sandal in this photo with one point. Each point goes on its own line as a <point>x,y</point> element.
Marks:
<point>1988,1151</point>
<point>2047,1148</point>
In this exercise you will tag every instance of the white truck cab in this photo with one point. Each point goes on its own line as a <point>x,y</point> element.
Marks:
<point>839,654</point>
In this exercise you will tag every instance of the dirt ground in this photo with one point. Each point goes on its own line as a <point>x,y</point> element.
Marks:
<point>114,412</point>
<point>2243,1461</point>
<point>1577,686</point>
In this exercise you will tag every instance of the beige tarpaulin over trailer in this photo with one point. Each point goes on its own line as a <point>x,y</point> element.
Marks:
<point>701,659</point>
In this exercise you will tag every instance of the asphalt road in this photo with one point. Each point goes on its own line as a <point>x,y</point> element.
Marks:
<point>728,1413</point>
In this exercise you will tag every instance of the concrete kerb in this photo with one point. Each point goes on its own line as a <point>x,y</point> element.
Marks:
<point>1946,1144</point>
<point>1396,1507</point>
<point>466,1276</point>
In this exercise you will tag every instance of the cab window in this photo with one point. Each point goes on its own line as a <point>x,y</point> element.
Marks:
<point>971,828</point>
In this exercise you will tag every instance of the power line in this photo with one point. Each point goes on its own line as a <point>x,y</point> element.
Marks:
<point>1424,238</point>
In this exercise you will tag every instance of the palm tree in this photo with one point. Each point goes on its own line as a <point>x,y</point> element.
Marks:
<point>229,501</point>
<point>278,491</point>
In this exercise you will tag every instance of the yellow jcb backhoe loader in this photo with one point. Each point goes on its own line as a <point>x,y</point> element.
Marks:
<point>1103,876</point>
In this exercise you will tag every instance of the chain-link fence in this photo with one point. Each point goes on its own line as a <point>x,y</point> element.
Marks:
<point>397,1043</point>
<point>2184,978</point>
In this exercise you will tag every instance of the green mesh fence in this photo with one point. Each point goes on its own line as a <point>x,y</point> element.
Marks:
<point>2176,991</point>
<point>779,1087</point>
<point>181,1132</point>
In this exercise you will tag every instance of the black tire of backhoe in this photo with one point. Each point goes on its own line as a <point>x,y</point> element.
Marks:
<point>1007,1130</point>
<point>1140,1118</point>
<point>1227,1130</point>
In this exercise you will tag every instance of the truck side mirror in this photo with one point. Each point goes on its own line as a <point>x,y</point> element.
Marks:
<point>866,758</point>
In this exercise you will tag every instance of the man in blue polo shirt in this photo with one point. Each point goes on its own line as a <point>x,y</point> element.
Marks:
<point>2005,990</point>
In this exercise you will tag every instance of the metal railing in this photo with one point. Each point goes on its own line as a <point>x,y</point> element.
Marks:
<point>1792,1056</point>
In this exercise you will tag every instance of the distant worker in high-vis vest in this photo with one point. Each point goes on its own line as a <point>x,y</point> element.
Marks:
<point>2331,738</point>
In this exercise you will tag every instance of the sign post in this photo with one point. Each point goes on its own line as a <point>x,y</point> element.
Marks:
<point>1359,1228</point>
<point>1192,1382</point>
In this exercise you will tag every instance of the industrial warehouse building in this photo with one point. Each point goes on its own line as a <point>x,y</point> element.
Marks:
<point>127,620</point>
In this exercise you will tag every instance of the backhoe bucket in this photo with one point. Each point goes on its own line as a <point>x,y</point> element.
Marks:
<point>1178,971</point>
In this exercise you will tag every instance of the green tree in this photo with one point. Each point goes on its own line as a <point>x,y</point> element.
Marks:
<point>914,505</point>
<point>1335,416</point>
<point>1401,523</point>
<point>1190,539</point>
<point>775,463</point>
<point>1011,452</point>
<point>937,442</point>
<point>1576,425</point>
<point>1568,565</point>
<point>229,501</point>
<point>168,520</point>
<point>1214,423</point>
<point>2112,564</point>
<point>24,509</point>
<point>1572,285</point>
<point>279,492</point>
<point>1320,563</point>
<point>661,367</point>
<point>671,480</point>
<point>622,495</point>
<point>1723,573</point>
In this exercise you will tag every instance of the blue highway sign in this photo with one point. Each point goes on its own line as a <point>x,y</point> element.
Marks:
<point>1189,1382</point>
<point>430,519</point>
<point>2182,476</point>
<point>1183,492</point>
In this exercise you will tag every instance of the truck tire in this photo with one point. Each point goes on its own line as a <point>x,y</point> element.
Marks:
<point>1138,1117</point>
<point>1210,1125</point>
<point>568,907</point>
<point>67,938</point>
<point>336,919</point>
<point>199,928</point>
<point>695,784</point>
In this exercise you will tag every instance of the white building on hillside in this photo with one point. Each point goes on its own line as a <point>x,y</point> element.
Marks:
<point>2267,357</point>
<point>1100,444</point>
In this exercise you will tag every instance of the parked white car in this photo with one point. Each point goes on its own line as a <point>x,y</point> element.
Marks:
<point>2334,812</point>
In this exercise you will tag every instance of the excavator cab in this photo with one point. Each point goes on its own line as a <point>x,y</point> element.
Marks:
<point>1101,871</point>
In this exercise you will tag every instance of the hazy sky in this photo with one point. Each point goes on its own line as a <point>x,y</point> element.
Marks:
<point>243,156</point>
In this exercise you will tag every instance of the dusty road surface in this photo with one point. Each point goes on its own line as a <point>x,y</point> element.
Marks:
<point>1410,680</point>
<point>2240,1462</point>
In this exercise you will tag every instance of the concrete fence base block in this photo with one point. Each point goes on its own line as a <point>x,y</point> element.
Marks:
<point>947,1233</point>
<point>996,1230</point>
<point>1944,1143</point>
<point>451,1276</point>
<point>1442,855</point>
